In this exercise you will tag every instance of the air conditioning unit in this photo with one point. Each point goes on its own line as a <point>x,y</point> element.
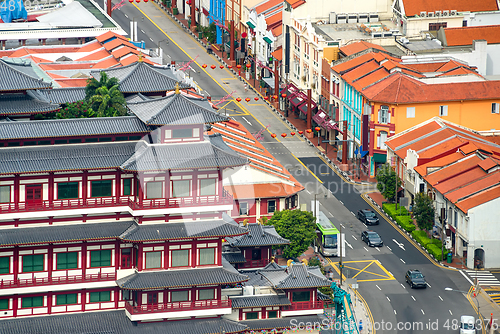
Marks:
<point>423,14</point>
<point>438,13</point>
<point>363,18</point>
<point>333,18</point>
<point>352,18</point>
<point>341,18</point>
<point>374,17</point>
<point>453,12</point>
<point>430,14</point>
<point>446,13</point>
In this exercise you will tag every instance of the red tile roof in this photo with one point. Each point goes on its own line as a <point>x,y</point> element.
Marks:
<point>268,5</point>
<point>356,47</point>
<point>400,88</point>
<point>278,53</point>
<point>98,55</point>
<point>295,3</point>
<point>478,199</point>
<point>414,7</point>
<point>465,35</point>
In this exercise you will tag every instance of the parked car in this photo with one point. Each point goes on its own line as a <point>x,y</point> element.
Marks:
<point>372,239</point>
<point>416,279</point>
<point>368,217</point>
<point>467,325</point>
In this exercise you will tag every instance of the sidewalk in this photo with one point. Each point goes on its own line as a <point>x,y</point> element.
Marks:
<point>326,150</point>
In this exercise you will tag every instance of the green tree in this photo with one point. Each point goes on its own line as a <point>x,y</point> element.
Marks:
<point>297,226</point>
<point>387,182</point>
<point>424,211</point>
<point>108,102</point>
<point>93,85</point>
<point>78,109</point>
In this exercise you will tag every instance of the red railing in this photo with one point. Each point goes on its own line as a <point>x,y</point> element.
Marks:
<point>255,263</point>
<point>57,280</point>
<point>303,306</point>
<point>178,306</point>
<point>71,204</point>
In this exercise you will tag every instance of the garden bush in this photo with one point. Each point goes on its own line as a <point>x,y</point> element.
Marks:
<point>406,222</point>
<point>435,250</point>
<point>392,211</point>
<point>421,237</point>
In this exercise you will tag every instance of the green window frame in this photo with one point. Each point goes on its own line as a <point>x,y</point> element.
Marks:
<point>182,133</point>
<point>272,314</point>
<point>91,140</point>
<point>28,302</point>
<point>4,194</point>
<point>67,299</point>
<point>206,294</point>
<point>134,137</point>
<point>5,265</point>
<point>75,141</point>
<point>180,258</point>
<point>181,188</point>
<point>100,296</point>
<point>67,260</point>
<point>60,141</point>
<point>207,256</point>
<point>121,138</point>
<point>208,187</point>
<point>153,260</point>
<point>4,304</point>
<point>100,258</point>
<point>251,315</point>
<point>32,263</point>
<point>127,187</point>
<point>179,296</point>
<point>101,188</point>
<point>67,190</point>
<point>301,296</point>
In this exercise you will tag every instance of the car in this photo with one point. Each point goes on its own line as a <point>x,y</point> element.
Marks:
<point>368,217</point>
<point>372,239</point>
<point>415,278</point>
<point>467,325</point>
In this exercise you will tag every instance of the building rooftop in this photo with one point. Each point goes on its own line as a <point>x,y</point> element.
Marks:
<point>466,35</point>
<point>258,235</point>
<point>414,7</point>
<point>356,47</point>
<point>295,276</point>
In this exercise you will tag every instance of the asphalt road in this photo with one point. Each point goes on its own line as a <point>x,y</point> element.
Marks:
<point>391,301</point>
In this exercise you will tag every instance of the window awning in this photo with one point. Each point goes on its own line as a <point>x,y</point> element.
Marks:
<point>331,125</point>
<point>320,118</point>
<point>303,107</point>
<point>380,158</point>
<point>251,24</point>
<point>268,40</point>
<point>289,90</point>
<point>298,98</point>
<point>269,81</point>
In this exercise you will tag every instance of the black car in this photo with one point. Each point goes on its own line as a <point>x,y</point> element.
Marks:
<point>415,278</point>
<point>372,239</point>
<point>368,217</point>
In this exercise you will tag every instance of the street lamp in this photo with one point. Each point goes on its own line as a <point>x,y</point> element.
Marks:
<point>160,51</point>
<point>477,302</point>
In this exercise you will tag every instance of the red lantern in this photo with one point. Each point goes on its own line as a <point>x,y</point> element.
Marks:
<point>213,67</point>
<point>292,133</point>
<point>238,99</point>
<point>309,130</point>
<point>275,97</point>
<point>221,67</point>
<point>238,66</point>
<point>266,98</point>
<point>317,128</point>
<point>223,240</point>
<point>256,98</point>
<point>248,65</point>
<point>137,1</point>
<point>130,1</point>
<point>247,99</point>
<point>204,65</point>
<point>283,95</point>
<point>273,135</point>
<point>283,135</point>
<point>229,66</point>
<point>301,132</point>
<point>244,34</point>
<point>146,0</point>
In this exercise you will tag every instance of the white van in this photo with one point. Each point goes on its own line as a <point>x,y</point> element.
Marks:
<point>467,325</point>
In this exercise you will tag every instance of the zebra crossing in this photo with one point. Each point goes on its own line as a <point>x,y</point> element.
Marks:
<point>483,278</point>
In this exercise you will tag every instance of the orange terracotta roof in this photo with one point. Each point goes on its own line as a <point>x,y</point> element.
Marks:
<point>268,5</point>
<point>355,62</point>
<point>411,135</point>
<point>448,144</point>
<point>38,60</point>
<point>56,76</point>
<point>277,31</point>
<point>481,198</point>
<point>360,71</point>
<point>118,53</point>
<point>6,53</point>
<point>371,78</point>
<point>132,59</point>
<point>98,55</point>
<point>356,47</point>
<point>68,82</point>
<point>465,35</point>
<point>295,3</point>
<point>437,163</point>
<point>278,53</point>
<point>459,71</point>
<point>111,45</point>
<point>261,190</point>
<point>414,7</point>
<point>400,88</point>
<point>91,46</point>
<point>453,170</point>
<point>65,66</point>
<point>274,22</point>
<point>107,63</point>
<point>426,67</point>
<point>108,35</point>
<point>459,180</point>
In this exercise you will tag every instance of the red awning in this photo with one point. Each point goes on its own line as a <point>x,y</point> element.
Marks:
<point>320,118</point>
<point>298,98</point>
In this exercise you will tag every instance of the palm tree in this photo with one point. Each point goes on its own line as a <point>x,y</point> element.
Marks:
<point>93,85</point>
<point>108,102</point>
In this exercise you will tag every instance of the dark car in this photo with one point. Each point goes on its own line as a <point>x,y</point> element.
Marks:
<point>368,217</point>
<point>372,239</point>
<point>415,278</point>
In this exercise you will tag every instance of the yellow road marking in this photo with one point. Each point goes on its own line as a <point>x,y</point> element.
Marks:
<point>369,264</point>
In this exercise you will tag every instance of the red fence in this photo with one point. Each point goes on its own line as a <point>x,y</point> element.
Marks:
<point>303,306</point>
<point>57,280</point>
<point>178,306</point>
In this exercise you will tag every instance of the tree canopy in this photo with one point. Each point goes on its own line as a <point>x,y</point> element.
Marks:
<point>108,102</point>
<point>93,85</point>
<point>387,182</point>
<point>424,211</point>
<point>297,226</point>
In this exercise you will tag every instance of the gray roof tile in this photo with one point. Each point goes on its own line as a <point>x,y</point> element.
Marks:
<point>61,233</point>
<point>19,77</point>
<point>180,278</point>
<point>22,104</point>
<point>256,279</point>
<point>141,77</point>
<point>62,95</point>
<point>258,235</point>
<point>234,257</point>
<point>259,301</point>
<point>189,155</point>
<point>258,325</point>
<point>71,127</point>
<point>65,157</point>
<point>175,109</point>
<point>295,277</point>
<point>113,322</point>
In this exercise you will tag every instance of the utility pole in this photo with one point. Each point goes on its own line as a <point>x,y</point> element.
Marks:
<point>231,40</point>
<point>443,213</point>
<point>339,244</point>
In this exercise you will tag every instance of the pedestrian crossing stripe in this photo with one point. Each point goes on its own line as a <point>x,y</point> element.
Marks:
<point>483,277</point>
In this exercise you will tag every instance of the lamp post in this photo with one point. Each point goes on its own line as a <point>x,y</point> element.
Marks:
<point>477,301</point>
<point>318,129</point>
<point>160,50</point>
